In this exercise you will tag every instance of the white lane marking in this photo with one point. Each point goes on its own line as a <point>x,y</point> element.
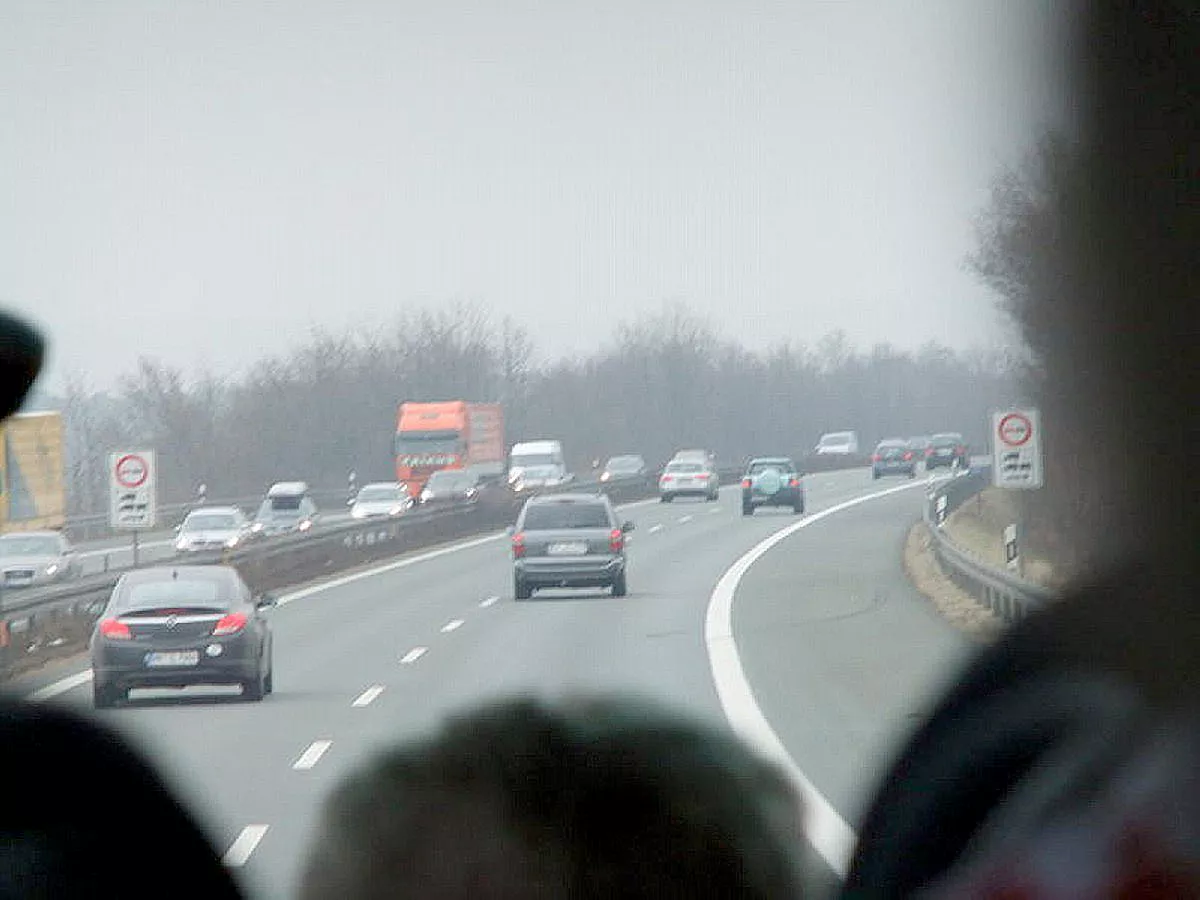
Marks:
<point>654,529</point>
<point>312,755</point>
<point>367,697</point>
<point>452,625</point>
<point>71,682</point>
<point>243,845</point>
<point>61,686</point>
<point>489,602</point>
<point>826,829</point>
<point>715,511</point>
<point>413,655</point>
<point>684,519</point>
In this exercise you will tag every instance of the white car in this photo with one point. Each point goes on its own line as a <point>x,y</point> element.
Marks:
<point>381,500</point>
<point>688,478</point>
<point>29,558</point>
<point>837,442</point>
<point>212,528</point>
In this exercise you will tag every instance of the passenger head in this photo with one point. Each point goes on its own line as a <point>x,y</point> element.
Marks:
<point>595,798</point>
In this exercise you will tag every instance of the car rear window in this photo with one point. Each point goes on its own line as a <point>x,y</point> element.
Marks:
<point>779,466</point>
<point>685,467</point>
<point>550,516</point>
<point>186,593</point>
<point>946,440</point>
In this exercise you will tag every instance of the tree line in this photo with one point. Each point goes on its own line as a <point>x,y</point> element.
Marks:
<point>665,380</point>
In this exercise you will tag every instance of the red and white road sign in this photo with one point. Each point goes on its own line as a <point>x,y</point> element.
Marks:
<point>131,471</point>
<point>1015,429</point>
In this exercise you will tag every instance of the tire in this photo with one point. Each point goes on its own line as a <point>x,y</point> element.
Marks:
<point>619,588</point>
<point>667,498</point>
<point>747,509</point>
<point>798,508</point>
<point>269,681</point>
<point>521,590</point>
<point>875,474</point>
<point>255,689</point>
<point>105,696</point>
<point>912,473</point>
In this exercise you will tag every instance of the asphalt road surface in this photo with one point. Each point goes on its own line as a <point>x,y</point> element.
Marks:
<point>802,632</point>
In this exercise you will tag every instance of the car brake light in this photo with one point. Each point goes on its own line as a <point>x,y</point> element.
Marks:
<point>875,457</point>
<point>929,451</point>
<point>115,630</point>
<point>703,476</point>
<point>795,482</point>
<point>518,545</point>
<point>667,478</point>
<point>230,624</point>
<point>745,482</point>
<point>616,540</point>
<point>907,455</point>
<point>962,449</point>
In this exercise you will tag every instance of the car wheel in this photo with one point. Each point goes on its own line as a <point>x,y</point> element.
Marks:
<point>912,473</point>
<point>619,588</point>
<point>798,508</point>
<point>747,509</point>
<point>105,696</point>
<point>521,590</point>
<point>269,681</point>
<point>875,474</point>
<point>255,688</point>
<point>667,498</point>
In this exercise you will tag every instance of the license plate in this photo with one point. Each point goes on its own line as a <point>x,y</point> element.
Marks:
<point>173,658</point>
<point>570,549</point>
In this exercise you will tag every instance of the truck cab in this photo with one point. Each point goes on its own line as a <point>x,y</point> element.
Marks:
<point>537,464</point>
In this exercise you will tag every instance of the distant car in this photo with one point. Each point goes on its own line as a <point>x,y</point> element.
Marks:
<point>694,455</point>
<point>689,478</point>
<point>628,467</point>
<point>893,457</point>
<point>381,500</point>
<point>947,449</point>
<point>35,558</point>
<point>772,481</point>
<point>451,486</point>
<point>569,540</point>
<point>837,442</point>
<point>212,528</point>
<point>287,508</point>
<point>918,445</point>
<point>173,626</point>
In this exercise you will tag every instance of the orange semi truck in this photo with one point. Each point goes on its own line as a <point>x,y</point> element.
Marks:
<point>452,434</point>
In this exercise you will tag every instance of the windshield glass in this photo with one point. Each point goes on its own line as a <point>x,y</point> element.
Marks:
<point>551,516</point>
<point>379,495</point>
<point>946,440</point>
<point>210,522</point>
<point>594,235</point>
<point>183,592</point>
<point>29,545</point>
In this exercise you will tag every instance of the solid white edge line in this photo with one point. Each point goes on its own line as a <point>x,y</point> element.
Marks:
<point>825,828</point>
<point>488,601</point>
<point>413,655</point>
<point>654,529</point>
<point>367,697</point>
<point>243,845</point>
<point>684,519</point>
<point>452,625</point>
<point>312,755</point>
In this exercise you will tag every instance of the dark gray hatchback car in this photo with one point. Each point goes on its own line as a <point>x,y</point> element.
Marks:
<point>568,540</point>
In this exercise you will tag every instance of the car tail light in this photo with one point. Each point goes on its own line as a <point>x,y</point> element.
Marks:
<point>616,540</point>
<point>875,457</point>
<point>795,482</point>
<point>518,545</point>
<point>745,482</point>
<point>230,624</point>
<point>907,455</point>
<point>961,449</point>
<point>667,478</point>
<point>929,451</point>
<point>115,630</point>
<point>703,476</point>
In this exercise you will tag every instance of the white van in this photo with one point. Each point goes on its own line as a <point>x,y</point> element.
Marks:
<point>844,442</point>
<point>286,508</point>
<point>537,464</point>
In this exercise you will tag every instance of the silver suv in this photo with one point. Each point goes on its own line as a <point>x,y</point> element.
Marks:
<point>568,540</point>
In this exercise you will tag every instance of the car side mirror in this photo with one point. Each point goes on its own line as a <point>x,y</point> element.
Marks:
<point>178,528</point>
<point>626,527</point>
<point>266,601</point>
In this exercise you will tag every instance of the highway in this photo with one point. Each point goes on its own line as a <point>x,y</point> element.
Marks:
<point>828,651</point>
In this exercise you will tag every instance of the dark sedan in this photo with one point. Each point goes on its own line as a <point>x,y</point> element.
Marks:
<point>893,457</point>
<point>947,449</point>
<point>174,626</point>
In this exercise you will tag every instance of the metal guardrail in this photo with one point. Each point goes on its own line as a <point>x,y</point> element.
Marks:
<point>40,624</point>
<point>1009,596</point>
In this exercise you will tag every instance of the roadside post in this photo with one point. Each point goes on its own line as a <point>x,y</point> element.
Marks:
<point>1016,465</point>
<point>132,501</point>
<point>1012,556</point>
<point>352,483</point>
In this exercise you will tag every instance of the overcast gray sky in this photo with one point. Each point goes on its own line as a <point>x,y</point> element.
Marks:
<point>205,182</point>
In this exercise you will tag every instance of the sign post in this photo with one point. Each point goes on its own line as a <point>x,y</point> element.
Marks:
<point>132,502</point>
<point>1017,449</point>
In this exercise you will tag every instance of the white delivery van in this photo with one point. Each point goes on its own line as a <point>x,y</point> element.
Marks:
<point>537,464</point>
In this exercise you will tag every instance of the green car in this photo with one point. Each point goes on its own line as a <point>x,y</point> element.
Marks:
<point>772,481</point>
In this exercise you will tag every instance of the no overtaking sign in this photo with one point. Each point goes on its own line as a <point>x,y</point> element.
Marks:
<point>1017,449</point>
<point>131,489</point>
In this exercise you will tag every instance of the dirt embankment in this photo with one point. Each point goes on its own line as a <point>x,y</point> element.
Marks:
<point>958,607</point>
<point>978,527</point>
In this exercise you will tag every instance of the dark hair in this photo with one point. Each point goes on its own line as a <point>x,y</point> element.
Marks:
<point>592,798</point>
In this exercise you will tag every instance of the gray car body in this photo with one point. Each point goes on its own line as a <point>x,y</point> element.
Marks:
<point>585,556</point>
<point>32,569</point>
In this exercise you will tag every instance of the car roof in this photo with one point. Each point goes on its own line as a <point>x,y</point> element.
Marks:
<point>837,434</point>
<point>169,573</point>
<point>955,435</point>
<point>222,510</point>
<point>892,441</point>
<point>771,459</point>
<point>566,499</point>
<point>287,489</point>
